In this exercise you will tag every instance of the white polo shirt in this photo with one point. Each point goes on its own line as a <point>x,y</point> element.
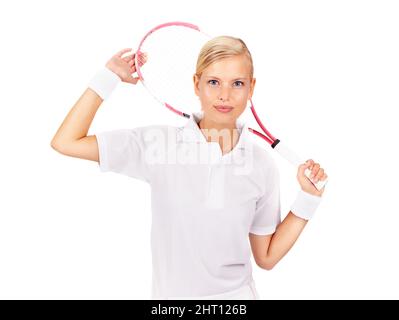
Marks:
<point>204,204</point>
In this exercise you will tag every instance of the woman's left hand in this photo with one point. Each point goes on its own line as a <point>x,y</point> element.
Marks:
<point>317,174</point>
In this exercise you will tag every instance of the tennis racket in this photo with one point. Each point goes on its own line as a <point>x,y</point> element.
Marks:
<point>172,49</point>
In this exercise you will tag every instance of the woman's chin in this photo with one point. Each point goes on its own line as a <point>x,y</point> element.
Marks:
<point>224,118</point>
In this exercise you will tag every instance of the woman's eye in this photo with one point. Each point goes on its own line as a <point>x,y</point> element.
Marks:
<point>235,84</point>
<point>238,84</point>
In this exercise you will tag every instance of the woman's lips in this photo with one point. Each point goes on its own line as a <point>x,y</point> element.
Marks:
<point>223,109</point>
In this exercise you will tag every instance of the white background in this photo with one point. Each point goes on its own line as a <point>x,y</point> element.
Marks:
<point>327,80</point>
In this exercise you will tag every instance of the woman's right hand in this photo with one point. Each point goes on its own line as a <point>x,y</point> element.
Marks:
<point>125,67</point>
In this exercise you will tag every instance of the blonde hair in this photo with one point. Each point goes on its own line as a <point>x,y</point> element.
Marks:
<point>219,48</point>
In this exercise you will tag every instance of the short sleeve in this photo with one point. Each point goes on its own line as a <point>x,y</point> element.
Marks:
<point>123,151</point>
<point>267,213</point>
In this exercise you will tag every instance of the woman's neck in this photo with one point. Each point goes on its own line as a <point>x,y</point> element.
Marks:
<point>226,135</point>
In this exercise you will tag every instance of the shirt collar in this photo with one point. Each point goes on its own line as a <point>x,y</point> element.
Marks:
<point>192,132</point>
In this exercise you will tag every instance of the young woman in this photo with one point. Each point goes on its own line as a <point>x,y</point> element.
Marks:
<point>203,211</point>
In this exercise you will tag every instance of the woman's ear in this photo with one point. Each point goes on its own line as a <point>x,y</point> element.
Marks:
<point>196,84</point>
<point>252,87</point>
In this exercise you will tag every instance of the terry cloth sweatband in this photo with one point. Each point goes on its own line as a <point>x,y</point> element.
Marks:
<point>305,205</point>
<point>104,82</point>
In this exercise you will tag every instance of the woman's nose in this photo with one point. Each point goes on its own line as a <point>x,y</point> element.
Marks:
<point>224,93</point>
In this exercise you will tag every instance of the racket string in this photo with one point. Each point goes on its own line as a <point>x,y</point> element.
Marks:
<point>172,54</point>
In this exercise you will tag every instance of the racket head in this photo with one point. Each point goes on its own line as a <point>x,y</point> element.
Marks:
<point>172,51</point>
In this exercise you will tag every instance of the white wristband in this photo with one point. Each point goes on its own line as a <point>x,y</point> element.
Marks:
<point>104,82</point>
<point>305,205</point>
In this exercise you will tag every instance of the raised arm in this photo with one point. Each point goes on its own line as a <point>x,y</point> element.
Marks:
<point>71,138</point>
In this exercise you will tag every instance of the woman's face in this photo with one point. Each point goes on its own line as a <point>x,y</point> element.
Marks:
<point>224,89</point>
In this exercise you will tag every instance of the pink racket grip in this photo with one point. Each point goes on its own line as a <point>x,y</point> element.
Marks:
<point>295,160</point>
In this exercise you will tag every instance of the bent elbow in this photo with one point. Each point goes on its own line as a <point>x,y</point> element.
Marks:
<point>53,145</point>
<point>59,147</point>
<point>267,265</point>
<point>56,146</point>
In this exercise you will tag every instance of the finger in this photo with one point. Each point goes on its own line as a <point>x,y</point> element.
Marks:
<point>319,175</point>
<point>143,55</point>
<point>303,167</point>
<point>325,176</point>
<point>309,164</point>
<point>128,58</point>
<point>315,169</point>
<point>120,53</point>
<point>133,69</point>
<point>142,61</point>
<point>134,80</point>
<point>142,58</point>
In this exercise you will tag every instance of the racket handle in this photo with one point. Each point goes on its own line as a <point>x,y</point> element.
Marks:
<point>295,160</point>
